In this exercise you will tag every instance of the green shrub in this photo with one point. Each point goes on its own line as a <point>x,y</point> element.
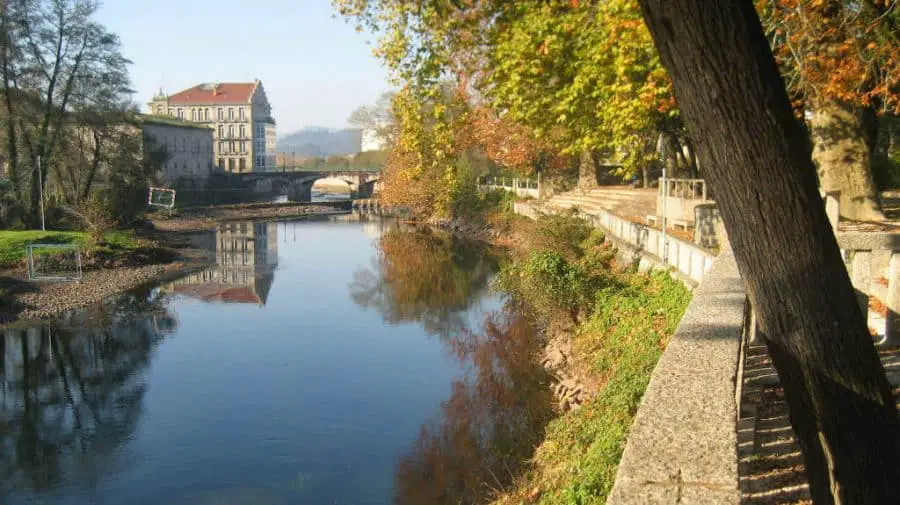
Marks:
<point>564,234</point>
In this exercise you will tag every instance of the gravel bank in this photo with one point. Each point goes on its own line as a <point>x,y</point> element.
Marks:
<point>30,300</point>
<point>202,219</point>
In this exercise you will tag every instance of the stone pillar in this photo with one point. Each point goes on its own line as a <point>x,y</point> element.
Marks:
<point>833,208</point>
<point>861,275</point>
<point>708,227</point>
<point>300,191</point>
<point>892,301</point>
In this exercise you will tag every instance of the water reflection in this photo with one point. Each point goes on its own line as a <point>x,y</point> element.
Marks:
<point>72,394</point>
<point>246,259</point>
<point>497,411</point>
<point>422,277</point>
<point>490,425</point>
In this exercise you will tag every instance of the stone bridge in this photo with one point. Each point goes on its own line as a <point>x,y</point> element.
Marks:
<point>297,183</point>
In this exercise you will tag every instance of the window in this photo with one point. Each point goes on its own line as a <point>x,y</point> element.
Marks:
<point>231,146</point>
<point>180,113</point>
<point>231,114</point>
<point>243,166</point>
<point>170,112</point>
<point>243,147</point>
<point>193,114</point>
<point>221,114</point>
<point>242,113</point>
<point>231,132</point>
<point>231,164</point>
<point>206,114</point>
<point>221,131</point>
<point>159,110</point>
<point>243,131</point>
<point>221,147</point>
<point>222,163</point>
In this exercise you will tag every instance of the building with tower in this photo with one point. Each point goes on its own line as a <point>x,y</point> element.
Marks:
<point>241,118</point>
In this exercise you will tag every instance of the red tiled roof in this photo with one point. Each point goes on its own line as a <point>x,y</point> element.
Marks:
<point>224,92</point>
<point>219,293</point>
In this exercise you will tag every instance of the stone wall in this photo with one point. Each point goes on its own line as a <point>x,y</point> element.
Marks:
<point>682,447</point>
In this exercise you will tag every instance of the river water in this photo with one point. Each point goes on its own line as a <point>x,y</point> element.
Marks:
<point>320,362</point>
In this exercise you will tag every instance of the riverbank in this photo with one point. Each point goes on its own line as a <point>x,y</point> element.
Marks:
<point>148,254</point>
<point>205,218</point>
<point>605,329</point>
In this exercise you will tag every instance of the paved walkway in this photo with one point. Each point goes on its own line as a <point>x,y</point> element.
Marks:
<point>633,204</point>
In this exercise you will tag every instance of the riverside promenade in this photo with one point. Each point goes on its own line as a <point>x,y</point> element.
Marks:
<point>712,426</point>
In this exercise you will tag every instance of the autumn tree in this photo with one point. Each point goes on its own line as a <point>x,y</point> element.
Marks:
<point>841,61</point>
<point>581,77</point>
<point>757,159</point>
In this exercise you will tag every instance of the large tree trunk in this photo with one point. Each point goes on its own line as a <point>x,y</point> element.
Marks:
<point>757,160</point>
<point>842,151</point>
<point>587,171</point>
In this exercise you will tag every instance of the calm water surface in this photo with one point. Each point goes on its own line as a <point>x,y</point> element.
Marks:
<point>335,362</point>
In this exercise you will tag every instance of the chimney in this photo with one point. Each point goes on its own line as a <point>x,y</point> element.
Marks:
<point>215,89</point>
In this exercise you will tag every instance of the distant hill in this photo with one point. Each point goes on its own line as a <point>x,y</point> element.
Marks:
<point>318,141</point>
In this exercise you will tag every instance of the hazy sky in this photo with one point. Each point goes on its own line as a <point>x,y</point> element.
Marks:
<point>315,68</point>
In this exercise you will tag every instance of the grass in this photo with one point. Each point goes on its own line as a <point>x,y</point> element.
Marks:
<point>621,343</point>
<point>12,243</point>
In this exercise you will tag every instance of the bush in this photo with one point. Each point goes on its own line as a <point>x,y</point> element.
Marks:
<point>564,234</point>
<point>97,218</point>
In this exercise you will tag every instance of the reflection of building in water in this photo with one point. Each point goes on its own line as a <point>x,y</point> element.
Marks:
<point>373,223</point>
<point>246,257</point>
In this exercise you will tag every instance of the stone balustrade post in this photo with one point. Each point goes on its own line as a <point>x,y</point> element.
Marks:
<point>833,208</point>
<point>892,323</point>
<point>861,276</point>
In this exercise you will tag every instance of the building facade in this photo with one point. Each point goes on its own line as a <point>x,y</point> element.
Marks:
<point>189,148</point>
<point>240,116</point>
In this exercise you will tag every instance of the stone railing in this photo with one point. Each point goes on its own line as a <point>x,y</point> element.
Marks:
<point>521,186</point>
<point>677,199</point>
<point>646,244</point>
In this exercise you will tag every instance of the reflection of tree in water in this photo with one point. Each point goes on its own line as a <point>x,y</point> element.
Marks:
<point>490,425</point>
<point>425,277</point>
<point>70,395</point>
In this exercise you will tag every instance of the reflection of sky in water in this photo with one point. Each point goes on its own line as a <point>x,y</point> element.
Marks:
<point>305,398</point>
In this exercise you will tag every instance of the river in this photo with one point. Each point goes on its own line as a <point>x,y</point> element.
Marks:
<point>319,362</point>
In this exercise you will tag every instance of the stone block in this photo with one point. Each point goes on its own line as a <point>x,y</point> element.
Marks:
<point>708,226</point>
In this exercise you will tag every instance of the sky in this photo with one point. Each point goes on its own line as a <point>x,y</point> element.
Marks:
<point>313,65</point>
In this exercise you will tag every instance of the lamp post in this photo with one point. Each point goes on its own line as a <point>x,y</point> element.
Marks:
<point>664,187</point>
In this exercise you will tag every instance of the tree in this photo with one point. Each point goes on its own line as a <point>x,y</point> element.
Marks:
<point>581,76</point>
<point>842,64</point>
<point>55,59</point>
<point>757,159</point>
<point>376,119</point>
